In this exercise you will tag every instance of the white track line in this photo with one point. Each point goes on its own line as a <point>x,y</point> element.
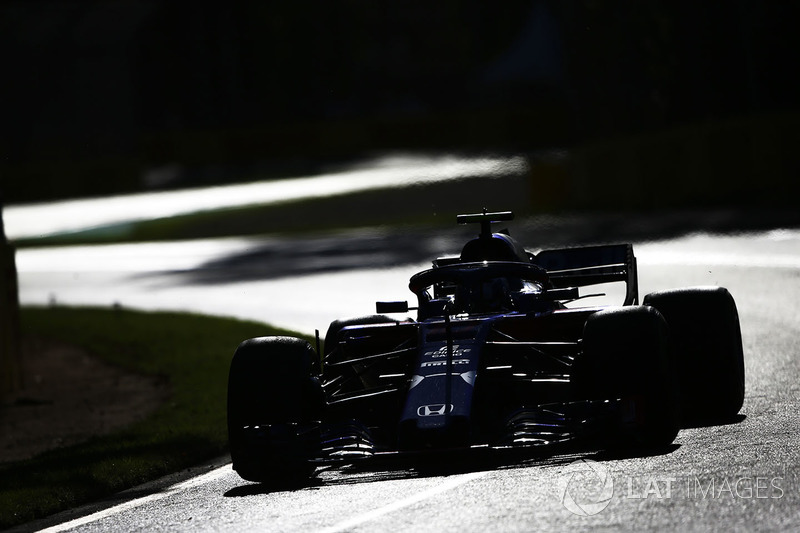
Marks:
<point>132,504</point>
<point>225,470</point>
<point>405,502</point>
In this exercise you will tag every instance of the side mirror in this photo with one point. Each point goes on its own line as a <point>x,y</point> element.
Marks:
<point>391,307</point>
<point>567,293</point>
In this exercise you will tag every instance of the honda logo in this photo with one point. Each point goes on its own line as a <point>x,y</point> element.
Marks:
<point>436,409</point>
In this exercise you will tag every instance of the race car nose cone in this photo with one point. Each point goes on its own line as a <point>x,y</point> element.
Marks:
<point>434,429</point>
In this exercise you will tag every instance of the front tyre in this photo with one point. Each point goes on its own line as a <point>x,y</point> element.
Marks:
<point>626,357</point>
<point>274,407</point>
<point>707,338</point>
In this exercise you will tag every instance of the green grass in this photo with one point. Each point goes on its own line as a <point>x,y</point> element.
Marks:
<point>192,352</point>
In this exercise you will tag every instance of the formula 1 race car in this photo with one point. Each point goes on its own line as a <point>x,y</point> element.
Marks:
<point>499,357</point>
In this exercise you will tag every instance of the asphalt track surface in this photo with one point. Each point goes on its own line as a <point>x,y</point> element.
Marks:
<point>740,476</point>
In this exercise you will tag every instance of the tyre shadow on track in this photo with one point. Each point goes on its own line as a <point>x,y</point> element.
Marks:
<point>737,419</point>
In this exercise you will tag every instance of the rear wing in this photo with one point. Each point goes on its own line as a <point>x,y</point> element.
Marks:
<point>591,265</point>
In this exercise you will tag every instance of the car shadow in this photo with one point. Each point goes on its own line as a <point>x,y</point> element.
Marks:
<point>369,471</point>
<point>702,423</point>
<point>254,489</point>
<point>433,466</point>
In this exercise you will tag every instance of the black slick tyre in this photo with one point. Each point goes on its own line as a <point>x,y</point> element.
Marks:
<point>274,407</point>
<point>707,339</point>
<point>626,356</point>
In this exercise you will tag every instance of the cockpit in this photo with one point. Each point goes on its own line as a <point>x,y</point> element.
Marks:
<point>478,288</point>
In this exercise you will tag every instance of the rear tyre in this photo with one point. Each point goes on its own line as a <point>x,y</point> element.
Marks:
<point>625,355</point>
<point>707,338</point>
<point>274,408</point>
